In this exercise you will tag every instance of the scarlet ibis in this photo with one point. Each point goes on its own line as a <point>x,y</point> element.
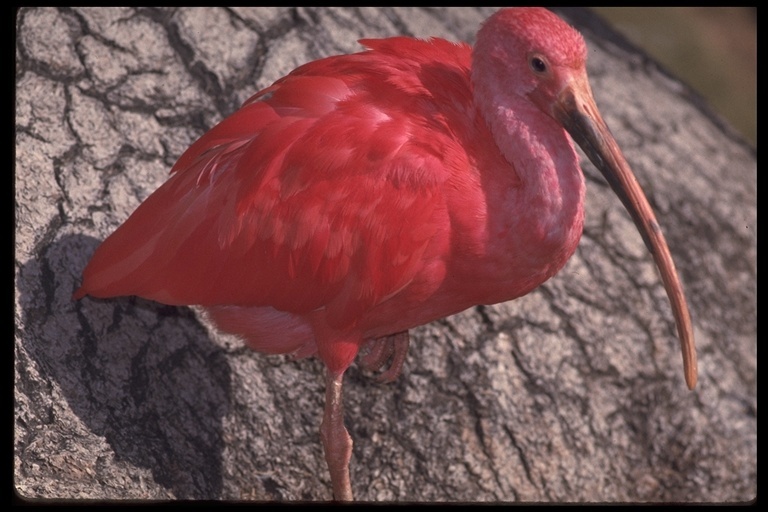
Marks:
<point>363,195</point>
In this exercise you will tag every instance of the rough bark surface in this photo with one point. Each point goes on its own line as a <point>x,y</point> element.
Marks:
<point>574,393</point>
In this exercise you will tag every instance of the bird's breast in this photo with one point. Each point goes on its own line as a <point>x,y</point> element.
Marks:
<point>526,227</point>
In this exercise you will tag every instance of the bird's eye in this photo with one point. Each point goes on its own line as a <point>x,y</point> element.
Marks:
<point>538,65</point>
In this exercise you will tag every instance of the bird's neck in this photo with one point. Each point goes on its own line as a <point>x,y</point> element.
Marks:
<point>543,216</point>
<point>541,153</point>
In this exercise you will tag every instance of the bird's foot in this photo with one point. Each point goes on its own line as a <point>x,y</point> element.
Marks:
<point>380,350</point>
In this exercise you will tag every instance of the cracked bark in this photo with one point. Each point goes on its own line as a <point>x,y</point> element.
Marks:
<point>573,393</point>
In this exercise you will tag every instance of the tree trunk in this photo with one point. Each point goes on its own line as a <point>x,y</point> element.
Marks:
<point>572,393</point>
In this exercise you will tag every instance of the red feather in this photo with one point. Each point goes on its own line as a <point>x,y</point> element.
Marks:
<point>297,202</point>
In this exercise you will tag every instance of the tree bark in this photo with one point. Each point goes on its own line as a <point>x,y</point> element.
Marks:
<point>573,393</point>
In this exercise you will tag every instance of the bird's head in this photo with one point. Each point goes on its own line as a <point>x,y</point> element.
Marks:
<point>532,52</point>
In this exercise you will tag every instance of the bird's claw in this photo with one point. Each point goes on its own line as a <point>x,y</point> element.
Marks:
<point>380,350</point>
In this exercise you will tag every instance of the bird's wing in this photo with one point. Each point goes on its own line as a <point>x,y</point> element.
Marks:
<point>323,190</point>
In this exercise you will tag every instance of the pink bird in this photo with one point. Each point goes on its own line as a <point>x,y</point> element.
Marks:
<point>363,195</point>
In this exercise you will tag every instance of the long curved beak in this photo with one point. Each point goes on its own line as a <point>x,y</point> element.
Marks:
<point>577,112</point>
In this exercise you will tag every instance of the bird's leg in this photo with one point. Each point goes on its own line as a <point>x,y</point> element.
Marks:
<point>379,352</point>
<point>337,443</point>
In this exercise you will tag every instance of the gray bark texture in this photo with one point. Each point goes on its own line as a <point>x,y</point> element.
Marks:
<point>574,393</point>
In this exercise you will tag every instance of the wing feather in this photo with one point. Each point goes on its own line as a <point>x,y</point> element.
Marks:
<point>323,191</point>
